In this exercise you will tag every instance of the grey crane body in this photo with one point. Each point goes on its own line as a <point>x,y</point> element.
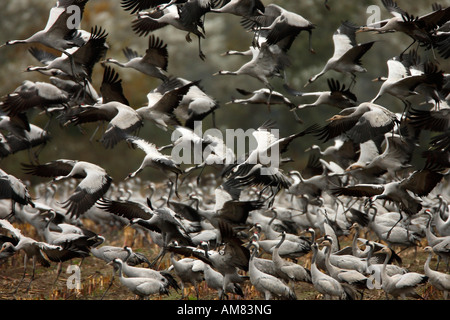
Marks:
<point>289,271</point>
<point>215,280</point>
<point>438,280</point>
<point>324,283</point>
<point>338,96</point>
<point>361,123</point>
<point>280,27</point>
<point>122,120</point>
<point>185,18</point>
<point>241,8</point>
<point>31,95</point>
<point>189,271</point>
<point>439,244</point>
<point>57,34</point>
<point>419,28</point>
<point>14,189</point>
<point>264,65</point>
<point>38,251</point>
<point>262,96</point>
<point>225,264</point>
<point>347,53</point>
<point>373,267</point>
<point>164,103</point>
<point>351,277</point>
<point>141,286</point>
<point>153,63</point>
<point>108,253</point>
<point>267,284</point>
<point>80,63</point>
<point>155,159</point>
<point>419,183</point>
<point>138,272</point>
<point>228,260</point>
<point>400,285</point>
<point>288,249</point>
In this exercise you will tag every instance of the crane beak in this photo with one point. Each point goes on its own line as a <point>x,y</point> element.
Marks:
<point>362,29</point>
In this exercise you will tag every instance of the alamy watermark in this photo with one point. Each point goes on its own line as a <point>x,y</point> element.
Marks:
<point>374,279</point>
<point>74,280</point>
<point>243,144</point>
<point>374,18</point>
<point>75,19</point>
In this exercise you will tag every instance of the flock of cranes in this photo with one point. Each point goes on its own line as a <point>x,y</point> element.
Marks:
<point>247,224</point>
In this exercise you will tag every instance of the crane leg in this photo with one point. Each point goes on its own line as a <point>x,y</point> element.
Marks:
<point>401,54</point>
<point>94,133</point>
<point>200,52</point>
<point>297,118</point>
<point>437,262</point>
<point>353,82</point>
<point>58,272</point>
<point>36,153</point>
<point>109,286</point>
<point>176,186</point>
<point>159,257</point>
<point>310,42</point>
<point>197,291</point>
<point>13,210</point>
<point>72,62</point>
<point>395,224</point>
<point>25,259</point>
<point>182,291</point>
<point>32,274</point>
<point>213,119</point>
<point>170,192</point>
<point>255,40</point>
<point>199,175</point>
<point>188,171</point>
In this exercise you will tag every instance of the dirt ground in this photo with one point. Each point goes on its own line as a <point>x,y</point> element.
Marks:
<point>95,276</point>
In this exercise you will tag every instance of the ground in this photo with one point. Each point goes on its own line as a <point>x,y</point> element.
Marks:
<point>95,276</point>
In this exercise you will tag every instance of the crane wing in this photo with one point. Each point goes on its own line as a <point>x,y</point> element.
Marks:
<point>111,87</point>
<point>5,224</point>
<point>422,182</point>
<point>147,147</point>
<point>127,209</point>
<point>358,190</point>
<point>157,53</point>
<point>54,168</point>
<point>86,194</point>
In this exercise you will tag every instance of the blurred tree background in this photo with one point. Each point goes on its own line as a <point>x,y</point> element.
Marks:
<point>20,19</point>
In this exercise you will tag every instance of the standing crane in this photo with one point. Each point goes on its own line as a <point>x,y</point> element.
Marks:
<point>400,285</point>
<point>289,271</point>
<point>325,284</point>
<point>38,251</point>
<point>268,284</point>
<point>438,280</point>
<point>141,286</point>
